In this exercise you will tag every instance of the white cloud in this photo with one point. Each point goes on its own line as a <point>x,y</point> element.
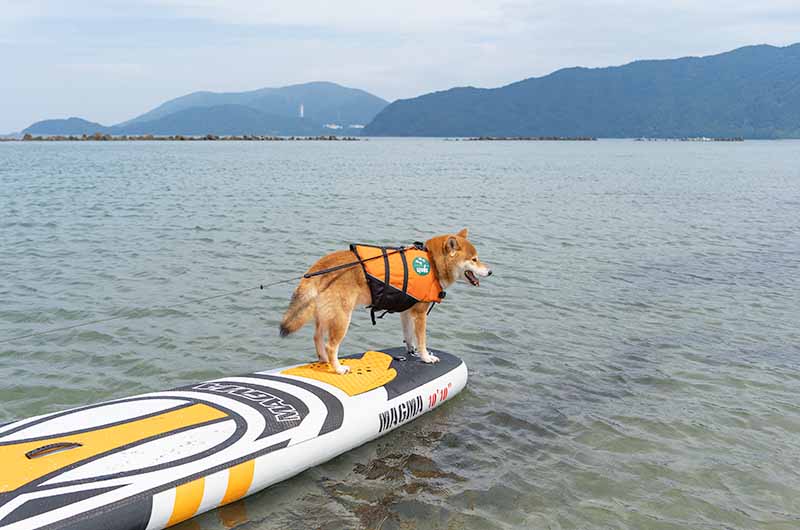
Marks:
<point>107,69</point>
<point>11,10</point>
<point>346,15</point>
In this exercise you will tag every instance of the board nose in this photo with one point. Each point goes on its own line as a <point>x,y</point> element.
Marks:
<point>27,460</point>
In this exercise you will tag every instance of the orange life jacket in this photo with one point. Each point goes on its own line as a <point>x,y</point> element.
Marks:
<point>405,276</point>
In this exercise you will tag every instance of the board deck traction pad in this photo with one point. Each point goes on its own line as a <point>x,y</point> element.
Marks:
<point>152,461</point>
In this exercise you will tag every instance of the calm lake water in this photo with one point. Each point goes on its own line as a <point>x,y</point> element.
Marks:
<point>634,361</point>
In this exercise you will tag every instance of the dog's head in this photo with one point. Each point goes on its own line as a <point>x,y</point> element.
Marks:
<point>457,259</point>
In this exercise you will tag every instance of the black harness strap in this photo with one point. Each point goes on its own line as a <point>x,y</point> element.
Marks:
<point>352,263</point>
<point>405,272</point>
<point>379,303</point>
<point>385,271</point>
<point>373,317</point>
<point>333,269</point>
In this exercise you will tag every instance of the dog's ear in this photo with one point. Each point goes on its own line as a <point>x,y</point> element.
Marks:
<point>451,245</point>
<point>462,233</point>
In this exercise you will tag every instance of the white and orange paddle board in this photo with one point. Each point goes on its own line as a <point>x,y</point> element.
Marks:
<point>151,461</point>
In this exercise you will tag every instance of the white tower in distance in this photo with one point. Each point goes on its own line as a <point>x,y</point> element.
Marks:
<point>302,111</point>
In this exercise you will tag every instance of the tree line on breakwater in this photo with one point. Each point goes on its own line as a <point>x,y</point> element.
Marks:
<point>98,137</point>
<point>692,139</point>
<point>531,139</point>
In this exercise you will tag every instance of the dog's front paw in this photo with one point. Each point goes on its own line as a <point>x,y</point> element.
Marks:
<point>342,370</point>
<point>428,358</point>
<point>411,350</point>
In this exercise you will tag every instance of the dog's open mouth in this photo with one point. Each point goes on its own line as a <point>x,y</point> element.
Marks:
<point>471,278</point>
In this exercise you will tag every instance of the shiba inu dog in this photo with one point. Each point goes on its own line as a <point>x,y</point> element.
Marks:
<point>330,297</point>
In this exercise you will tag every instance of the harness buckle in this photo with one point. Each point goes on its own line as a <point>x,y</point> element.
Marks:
<point>373,317</point>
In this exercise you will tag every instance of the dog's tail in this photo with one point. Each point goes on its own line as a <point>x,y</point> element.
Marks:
<point>301,308</point>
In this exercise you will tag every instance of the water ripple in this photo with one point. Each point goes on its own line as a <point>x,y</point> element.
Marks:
<point>634,359</point>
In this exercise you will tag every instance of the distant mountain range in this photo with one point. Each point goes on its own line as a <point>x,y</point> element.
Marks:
<point>752,92</point>
<point>327,108</point>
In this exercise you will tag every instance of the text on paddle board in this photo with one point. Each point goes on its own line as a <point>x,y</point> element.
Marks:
<point>400,413</point>
<point>281,410</point>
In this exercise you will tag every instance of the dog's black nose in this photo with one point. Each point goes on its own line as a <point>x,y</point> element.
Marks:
<point>490,272</point>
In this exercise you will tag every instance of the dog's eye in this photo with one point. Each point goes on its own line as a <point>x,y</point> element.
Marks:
<point>475,258</point>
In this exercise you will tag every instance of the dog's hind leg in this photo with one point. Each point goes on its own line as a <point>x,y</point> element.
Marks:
<point>408,331</point>
<point>319,342</point>
<point>337,329</point>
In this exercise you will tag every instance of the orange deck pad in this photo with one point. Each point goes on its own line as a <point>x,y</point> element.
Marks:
<point>369,372</point>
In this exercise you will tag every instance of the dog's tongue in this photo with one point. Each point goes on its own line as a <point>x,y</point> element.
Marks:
<point>472,278</point>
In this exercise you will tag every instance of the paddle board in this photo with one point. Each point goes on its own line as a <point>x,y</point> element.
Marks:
<point>151,461</point>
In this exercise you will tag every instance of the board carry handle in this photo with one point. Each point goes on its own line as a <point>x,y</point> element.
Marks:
<point>51,449</point>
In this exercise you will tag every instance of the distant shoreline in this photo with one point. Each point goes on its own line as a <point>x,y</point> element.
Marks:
<point>529,139</point>
<point>692,139</point>
<point>588,139</point>
<point>97,137</point>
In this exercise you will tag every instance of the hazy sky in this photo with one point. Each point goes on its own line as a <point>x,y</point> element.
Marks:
<point>108,61</point>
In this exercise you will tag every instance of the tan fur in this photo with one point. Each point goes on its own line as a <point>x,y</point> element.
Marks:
<point>331,298</point>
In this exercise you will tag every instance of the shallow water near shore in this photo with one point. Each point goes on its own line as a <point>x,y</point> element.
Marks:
<point>634,360</point>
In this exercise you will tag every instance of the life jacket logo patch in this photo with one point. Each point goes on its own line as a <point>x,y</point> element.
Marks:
<point>421,266</point>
